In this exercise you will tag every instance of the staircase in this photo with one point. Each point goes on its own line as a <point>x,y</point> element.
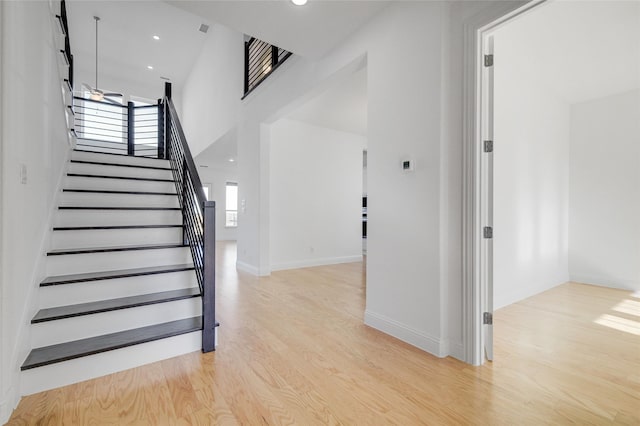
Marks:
<point>121,289</point>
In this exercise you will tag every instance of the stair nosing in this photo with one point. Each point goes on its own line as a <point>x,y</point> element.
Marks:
<point>97,228</point>
<point>115,208</point>
<point>109,275</point>
<point>99,163</point>
<point>109,305</point>
<point>189,325</point>
<point>111,191</point>
<point>71,251</point>
<point>119,177</point>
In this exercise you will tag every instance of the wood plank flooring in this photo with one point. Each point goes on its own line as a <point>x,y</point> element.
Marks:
<point>293,350</point>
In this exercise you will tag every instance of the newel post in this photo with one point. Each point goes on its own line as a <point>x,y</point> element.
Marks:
<point>160,129</point>
<point>166,122</point>
<point>130,129</point>
<point>209,282</point>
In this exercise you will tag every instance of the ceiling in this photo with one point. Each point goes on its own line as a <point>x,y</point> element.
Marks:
<point>581,50</point>
<point>125,43</point>
<point>341,107</point>
<point>218,154</point>
<point>309,31</point>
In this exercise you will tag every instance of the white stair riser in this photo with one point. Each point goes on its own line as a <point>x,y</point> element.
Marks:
<point>141,148</point>
<point>117,217</point>
<point>115,237</point>
<point>99,169</point>
<point>89,367</point>
<point>81,182</point>
<point>111,148</point>
<point>110,261</point>
<point>93,291</point>
<point>117,200</point>
<point>119,159</point>
<point>76,328</point>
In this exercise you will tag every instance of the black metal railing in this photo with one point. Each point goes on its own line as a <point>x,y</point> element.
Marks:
<point>260,60</point>
<point>119,129</point>
<point>198,216</point>
<point>66,52</point>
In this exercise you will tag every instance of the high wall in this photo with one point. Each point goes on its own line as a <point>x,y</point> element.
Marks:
<point>211,94</point>
<point>33,139</point>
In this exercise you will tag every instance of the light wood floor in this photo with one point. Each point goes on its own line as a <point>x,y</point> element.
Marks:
<point>293,350</point>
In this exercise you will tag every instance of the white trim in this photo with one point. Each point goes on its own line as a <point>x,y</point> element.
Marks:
<point>315,262</point>
<point>610,282</point>
<point>490,18</point>
<point>245,267</point>
<point>407,334</point>
<point>456,350</point>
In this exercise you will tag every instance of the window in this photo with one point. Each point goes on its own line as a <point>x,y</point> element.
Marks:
<point>231,205</point>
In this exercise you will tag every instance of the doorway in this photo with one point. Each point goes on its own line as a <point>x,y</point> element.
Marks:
<point>536,152</point>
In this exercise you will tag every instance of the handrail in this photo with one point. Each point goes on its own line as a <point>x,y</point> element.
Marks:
<point>191,165</point>
<point>198,215</point>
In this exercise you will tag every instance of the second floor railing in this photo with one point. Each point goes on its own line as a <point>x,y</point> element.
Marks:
<point>260,60</point>
<point>120,129</point>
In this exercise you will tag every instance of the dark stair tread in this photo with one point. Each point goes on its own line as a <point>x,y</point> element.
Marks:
<point>115,208</point>
<point>118,177</point>
<point>101,163</point>
<point>92,228</point>
<point>69,311</point>
<point>71,350</point>
<point>107,275</point>
<point>111,191</point>
<point>58,252</point>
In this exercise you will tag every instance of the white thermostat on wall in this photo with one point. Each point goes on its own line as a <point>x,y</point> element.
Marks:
<point>407,165</point>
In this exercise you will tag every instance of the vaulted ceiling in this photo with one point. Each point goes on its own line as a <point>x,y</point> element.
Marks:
<point>311,30</point>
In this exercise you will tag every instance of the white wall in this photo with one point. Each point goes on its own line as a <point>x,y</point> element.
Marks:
<point>531,179</point>
<point>315,195</point>
<point>217,177</point>
<point>211,94</point>
<point>32,133</point>
<point>604,215</point>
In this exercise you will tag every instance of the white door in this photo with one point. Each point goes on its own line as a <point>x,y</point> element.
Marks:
<point>486,200</point>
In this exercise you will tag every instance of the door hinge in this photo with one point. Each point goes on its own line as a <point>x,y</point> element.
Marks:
<point>488,146</point>
<point>488,232</point>
<point>488,60</point>
<point>487,318</point>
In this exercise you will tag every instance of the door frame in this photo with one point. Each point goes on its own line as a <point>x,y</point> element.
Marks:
<point>477,256</point>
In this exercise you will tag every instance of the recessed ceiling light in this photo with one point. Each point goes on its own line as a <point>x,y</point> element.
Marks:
<point>149,67</point>
<point>231,160</point>
<point>155,37</point>
<point>299,2</point>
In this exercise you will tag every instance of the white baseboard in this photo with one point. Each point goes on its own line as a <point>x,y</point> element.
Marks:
<point>456,350</point>
<point>245,267</point>
<point>315,262</point>
<point>407,334</point>
<point>610,282</point>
